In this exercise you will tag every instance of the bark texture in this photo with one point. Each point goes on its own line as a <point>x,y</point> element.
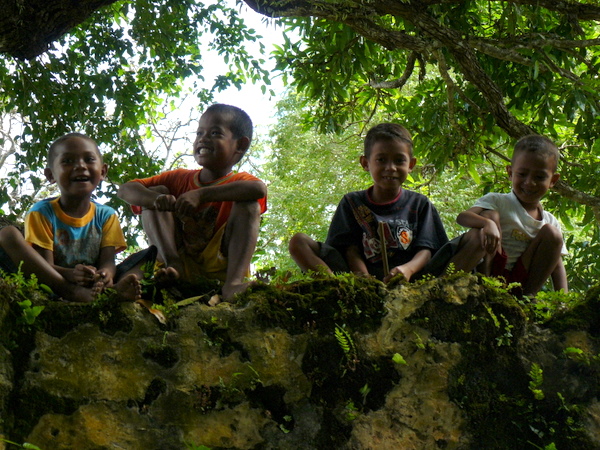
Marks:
<point>27,27</point>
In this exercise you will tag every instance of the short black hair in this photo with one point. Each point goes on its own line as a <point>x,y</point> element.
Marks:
<point>60,140</point>
<point>541,145</point>
<point>387,131</point>
<point>240,123</point>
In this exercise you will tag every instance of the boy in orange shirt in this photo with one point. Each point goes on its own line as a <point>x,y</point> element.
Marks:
<point>205,222</point>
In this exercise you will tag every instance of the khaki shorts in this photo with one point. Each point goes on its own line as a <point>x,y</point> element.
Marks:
<point>211,263</point>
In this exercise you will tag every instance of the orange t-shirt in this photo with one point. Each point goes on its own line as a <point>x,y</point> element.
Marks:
<point>195,232</point>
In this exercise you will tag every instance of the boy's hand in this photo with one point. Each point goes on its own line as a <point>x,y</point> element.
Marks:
<point>83,275</point>
<point>165,202</point>
<point>490,237</point>
<point>187,204</point>
<point>407,272</point>
<point>102,278</point>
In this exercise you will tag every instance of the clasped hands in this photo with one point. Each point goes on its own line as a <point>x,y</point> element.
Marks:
<point>186,205</point>
<point>89,276</point>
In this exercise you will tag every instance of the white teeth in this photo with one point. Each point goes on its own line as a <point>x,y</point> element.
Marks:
<point>203,151</point>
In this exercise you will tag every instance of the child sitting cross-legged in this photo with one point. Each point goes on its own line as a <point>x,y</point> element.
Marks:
<point>77,237</point>
<point>205,221</point>
<point>411,229</point>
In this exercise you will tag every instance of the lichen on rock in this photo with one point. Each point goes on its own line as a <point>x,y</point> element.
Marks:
<point>332,362</point>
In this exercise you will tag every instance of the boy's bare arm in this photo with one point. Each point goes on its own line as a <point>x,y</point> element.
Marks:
<point>237,191</point>
<point>106,266</point>
<point>490,233</point>
<point>408,269</point>
<point>137,194</point>
<point>81,274</point>
<point>355,262</point>
<point>559,277</point>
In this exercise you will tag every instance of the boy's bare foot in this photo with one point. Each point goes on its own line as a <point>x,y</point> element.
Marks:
<point>166,275</point>
<point>76,293</point>
<point>231,289</point>
<point>128,288</point>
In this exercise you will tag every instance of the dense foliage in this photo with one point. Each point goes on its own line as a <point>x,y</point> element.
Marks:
<point>466,77</point>
<point>115,77</point>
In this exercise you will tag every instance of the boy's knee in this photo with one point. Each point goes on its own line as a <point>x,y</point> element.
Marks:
<point>298,242</point>
<point>160,189</point>
<point>550,233</point>
<point>471,240</point>
<point>249,210</point>
<point>10,233</point>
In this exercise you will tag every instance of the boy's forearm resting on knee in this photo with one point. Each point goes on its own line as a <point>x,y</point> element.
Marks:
<point>136,193</point>
<point>237,191</point>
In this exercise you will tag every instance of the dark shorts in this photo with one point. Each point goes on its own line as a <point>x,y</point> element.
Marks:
<point>439,261</point>
<point>518,274</point>
<point>6,263</point>
<point>146,256</point>
<point>333,258</point>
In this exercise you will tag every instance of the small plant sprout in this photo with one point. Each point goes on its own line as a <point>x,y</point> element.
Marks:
<point>347,345</point>
<point>29,312</point>
<point>364,391</point>
<point>398,359</point>
<point>536,375</point>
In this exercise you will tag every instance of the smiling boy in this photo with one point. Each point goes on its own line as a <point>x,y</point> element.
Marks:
<point>412,228</point>
<point>518,239</point>
<point>75,235</point>
<point>205,221</point>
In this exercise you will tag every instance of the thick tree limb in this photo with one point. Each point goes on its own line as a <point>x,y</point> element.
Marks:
<point>27,27</point>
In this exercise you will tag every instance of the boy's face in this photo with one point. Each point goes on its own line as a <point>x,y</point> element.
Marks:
<point>531,176</point>
<point>389,164</point>
<point>77,167</point>
<point>215,148</point>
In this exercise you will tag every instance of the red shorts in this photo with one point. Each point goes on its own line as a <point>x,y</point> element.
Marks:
<point>518,274</point>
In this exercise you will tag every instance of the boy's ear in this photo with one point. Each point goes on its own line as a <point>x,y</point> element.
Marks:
<point>104,171</point>
<point>364,162</point>
<point>554,179</point>
<point>509,170</point>
<point>49,175</point>
<point>411,164</point>
<point>243,144</point>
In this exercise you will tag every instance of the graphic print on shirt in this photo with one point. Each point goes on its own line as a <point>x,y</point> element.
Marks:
<point>520,235</point>
<point>70,251</point>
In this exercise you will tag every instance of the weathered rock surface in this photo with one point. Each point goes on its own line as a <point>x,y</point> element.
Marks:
<point>334,363</point>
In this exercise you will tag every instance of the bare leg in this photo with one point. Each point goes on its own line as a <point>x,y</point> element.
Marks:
<point>241,235</point>
<point>305,252</point>
<point>13,243</point>
<point>159,227</point>
<point>486,266</point>
<point>541,258</point>
<point>469,251</point>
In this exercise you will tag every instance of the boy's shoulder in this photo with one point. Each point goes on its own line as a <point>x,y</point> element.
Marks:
<point>43,204</point>
<point>496,200</point>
